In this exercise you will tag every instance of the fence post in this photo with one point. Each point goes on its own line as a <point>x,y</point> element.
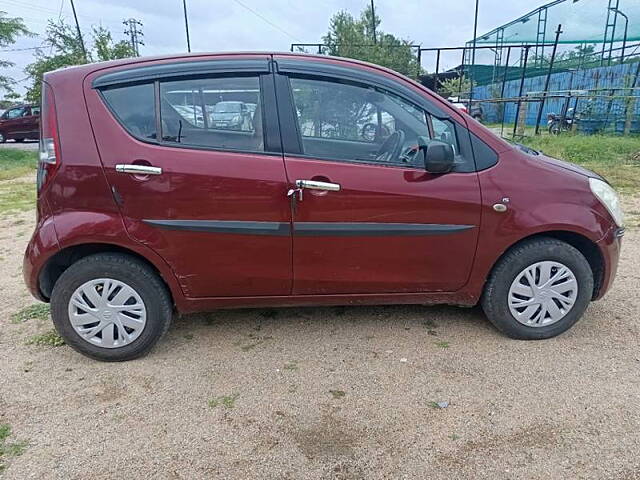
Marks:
<point>546,83</point>
<point>524,70</point>
<point>502,105</point>
<point>435,79</point>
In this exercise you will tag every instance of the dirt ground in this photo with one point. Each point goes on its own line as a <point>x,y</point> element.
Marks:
<point>315,393</point>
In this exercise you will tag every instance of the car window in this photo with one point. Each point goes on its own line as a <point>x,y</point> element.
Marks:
<point>35,110</point>
<point>445,131</point>
<point>15,112</point>
<point>221,113</point>
<point>134,106</point>
<point>26,112</point>
<point>357,123</point>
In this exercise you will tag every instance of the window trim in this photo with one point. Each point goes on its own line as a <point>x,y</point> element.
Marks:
<point>179,70</point>
<point>294,147</point>
<point>270,124</point>
<point>321,71</point>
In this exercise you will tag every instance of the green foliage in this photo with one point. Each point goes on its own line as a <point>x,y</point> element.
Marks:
<point>616,158</point>
<point>16,163</point>
<point>13,449</point>
<point>17,196</point>
<point>49,339</point>
<point>354,38</point>
<point>10,29</point>
<point>227,401</point>
<point>455,87</point>
<point>66,48</point>
<point>38,311</point>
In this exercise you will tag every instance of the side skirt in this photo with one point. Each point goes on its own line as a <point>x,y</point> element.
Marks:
<point>193,305</point>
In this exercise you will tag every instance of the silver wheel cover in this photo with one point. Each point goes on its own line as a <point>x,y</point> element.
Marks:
<point>542,294</point>
<point>107,313</point>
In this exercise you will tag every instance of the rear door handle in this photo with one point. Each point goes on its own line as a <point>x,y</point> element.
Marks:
<point>315,185</point>
<point>138,169</point>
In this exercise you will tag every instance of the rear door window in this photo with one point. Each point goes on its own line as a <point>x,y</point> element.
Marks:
<point>219,113</point>
<point>134,106</point>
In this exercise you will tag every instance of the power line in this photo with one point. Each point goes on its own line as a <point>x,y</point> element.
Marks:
<point>259,15</point>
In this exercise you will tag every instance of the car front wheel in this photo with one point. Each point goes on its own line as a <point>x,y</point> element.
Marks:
<point>538,290</point>
<point>111,307</point>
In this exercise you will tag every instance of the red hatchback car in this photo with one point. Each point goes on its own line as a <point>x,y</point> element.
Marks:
<point>151,201</point>
<point>20,123</point>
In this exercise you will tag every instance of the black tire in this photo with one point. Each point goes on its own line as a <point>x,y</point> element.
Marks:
<point>134,273</point>
<point>3,137</point>
<point>19,140</point>
<point>495,297</point>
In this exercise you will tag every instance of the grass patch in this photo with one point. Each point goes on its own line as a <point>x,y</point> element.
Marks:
<point>292,366</point>
<point>49,339</point>
<point>226,401</point>
<point>16,163</point>
<point>442,344</point>
<point>337,393</point>
<point>7,450</point>
<point>614,157</point>
<point>17,196</point>
<point>39,311</point>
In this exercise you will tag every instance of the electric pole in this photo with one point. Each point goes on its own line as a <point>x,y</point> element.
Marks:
<point>373,21</point>
<point>134,30</point>
<point>80,39</point>
<point>186,25</point>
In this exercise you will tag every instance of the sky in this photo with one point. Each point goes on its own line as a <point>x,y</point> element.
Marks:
<point>269,25</point>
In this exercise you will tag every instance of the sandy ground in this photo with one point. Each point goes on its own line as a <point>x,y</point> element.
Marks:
<point>321,393</point>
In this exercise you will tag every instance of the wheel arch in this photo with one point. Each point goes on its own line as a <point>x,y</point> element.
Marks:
<point>63,259</point>
<point>584,245</point>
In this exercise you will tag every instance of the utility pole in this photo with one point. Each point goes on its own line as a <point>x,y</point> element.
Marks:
<point>373,22</point>
<point>75,17</point>
<point>186,25</point>
<point>473,55</point>
<point>134,30</point>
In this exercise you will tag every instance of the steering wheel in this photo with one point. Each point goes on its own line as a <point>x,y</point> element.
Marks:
<point>391,147</point>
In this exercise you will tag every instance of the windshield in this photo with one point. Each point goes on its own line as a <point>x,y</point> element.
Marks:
<point>227,107</point>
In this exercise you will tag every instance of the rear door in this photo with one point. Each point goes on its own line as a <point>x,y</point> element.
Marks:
<point>209,198</point>
<point>382,224</point>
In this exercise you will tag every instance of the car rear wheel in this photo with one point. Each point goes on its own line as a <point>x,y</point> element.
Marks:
<point>538,290</point>
<point>111,307</point>
<point>19,140</point>
<point>2,138</point>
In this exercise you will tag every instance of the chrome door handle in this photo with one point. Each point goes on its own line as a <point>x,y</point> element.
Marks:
<point>315,185</point>
<point>138,169</point>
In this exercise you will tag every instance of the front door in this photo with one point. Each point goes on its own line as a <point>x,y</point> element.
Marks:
<point>378,222</point>
<point>208,192</point>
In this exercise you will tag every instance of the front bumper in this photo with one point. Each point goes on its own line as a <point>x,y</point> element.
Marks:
<point>609,246</point>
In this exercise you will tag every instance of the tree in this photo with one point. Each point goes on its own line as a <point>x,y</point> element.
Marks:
<point>66,50</point>
<point>355,38</point>
<point>10,30</point>
<point>455,87</point>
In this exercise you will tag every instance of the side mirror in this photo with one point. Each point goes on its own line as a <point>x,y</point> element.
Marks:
<point>438,156</point>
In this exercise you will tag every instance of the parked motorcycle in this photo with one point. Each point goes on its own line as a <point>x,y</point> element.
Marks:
<point>557,124</point>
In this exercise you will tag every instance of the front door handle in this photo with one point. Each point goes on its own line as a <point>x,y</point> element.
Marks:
<point>315,185</point>
<point>138,169</point>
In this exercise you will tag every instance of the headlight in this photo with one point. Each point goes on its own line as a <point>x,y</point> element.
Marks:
<point>609,198</point>
<point>236,118</point>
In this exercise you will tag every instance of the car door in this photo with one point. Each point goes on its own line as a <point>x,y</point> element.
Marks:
<point>32,122</point>
<point>12,122</point>
<point>211,201</point>
<point>376,222</point>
